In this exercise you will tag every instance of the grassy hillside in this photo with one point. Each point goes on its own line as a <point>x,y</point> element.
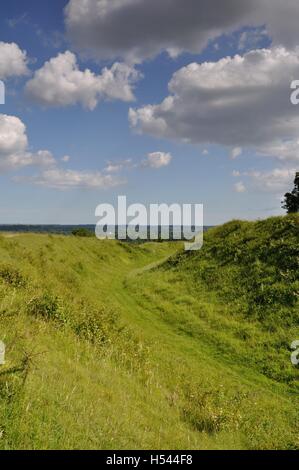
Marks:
<point>115,346</point>
<point>252,269</point>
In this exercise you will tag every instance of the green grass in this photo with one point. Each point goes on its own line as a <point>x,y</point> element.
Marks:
<point>119,346</point>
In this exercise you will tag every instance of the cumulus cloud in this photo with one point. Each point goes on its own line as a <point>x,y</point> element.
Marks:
<point>238,102</point>
<point>13,138</point>
<point>60,179</point>
<point>157,160</point>
<point>60,82</point>
<point>138,29</point>
<point>14,153</point>
<point>236,152</point>
<point>240,187</point>
<point>13,61</point>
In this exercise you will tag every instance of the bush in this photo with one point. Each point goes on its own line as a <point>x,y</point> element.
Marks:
<point>95,324</point>
<point>45,306</point>
<point>210,410</point>
<point>12,276</point>
<point>82,232</point>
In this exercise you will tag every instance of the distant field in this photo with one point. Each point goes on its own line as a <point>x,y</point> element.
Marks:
<point>9,234</point>
<point>118,346</point>
<point>54,229</point>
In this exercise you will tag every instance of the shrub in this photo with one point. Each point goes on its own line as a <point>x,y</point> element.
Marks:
<point>45,306</point>
<point>82,232</point>
<point>209,410</point>
<point>95,324</point>
<point>12,276</point>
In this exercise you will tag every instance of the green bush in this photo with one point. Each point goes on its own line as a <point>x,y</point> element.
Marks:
<point>82,232</point>
<point>12,276</point>
<point>45,306</point>
<point>95,325</point>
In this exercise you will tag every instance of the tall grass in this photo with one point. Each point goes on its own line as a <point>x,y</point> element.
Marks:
<point>109,348</point>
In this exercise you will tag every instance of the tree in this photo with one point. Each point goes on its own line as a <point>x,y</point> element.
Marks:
<point>291,200</point>
<point>82,232</point>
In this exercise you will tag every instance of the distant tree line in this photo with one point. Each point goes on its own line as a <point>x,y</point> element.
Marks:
<point>82,232</point>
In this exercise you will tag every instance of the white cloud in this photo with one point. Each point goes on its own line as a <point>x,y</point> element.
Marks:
<point>13,61</point>
<point>153,160</point>
<point>251,39</point>
<point>240,187</point>
<point>13,138</point>
<point>14,153</point>
<point>236,173</point>
<point>60,82</point>
<point>17,20</point>
<point>43,158</point>
<point>113,167</point>
<point>276,181</point>
<point>242,102</point>
<point>138,29</point>
<point>205,152</point>
<point>116,167</point>
<point>60,179</point>
<point>284,150</point>
<point>157,160</point>
<point>66,158</point>
<point>236,152</point>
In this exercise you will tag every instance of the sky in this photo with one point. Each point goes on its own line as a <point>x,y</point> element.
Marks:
<point>180,101</point>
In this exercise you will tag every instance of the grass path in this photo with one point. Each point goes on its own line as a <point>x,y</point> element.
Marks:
<point>185,353</point>
<point>144,315</point>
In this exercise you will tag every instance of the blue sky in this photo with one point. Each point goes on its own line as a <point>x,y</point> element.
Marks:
<point>198,171</point>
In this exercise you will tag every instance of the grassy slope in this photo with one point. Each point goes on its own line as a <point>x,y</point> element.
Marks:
<point>103,352</point>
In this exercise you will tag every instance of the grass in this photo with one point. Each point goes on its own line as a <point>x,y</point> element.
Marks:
<point>119,346</point>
